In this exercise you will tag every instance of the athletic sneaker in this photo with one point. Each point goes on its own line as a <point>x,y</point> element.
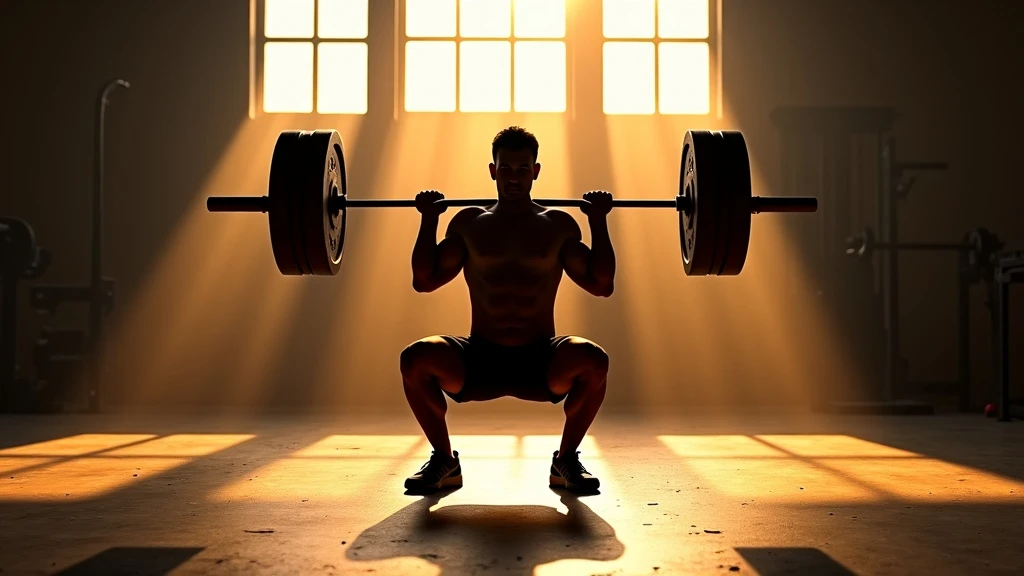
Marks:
<point>569,473</point>
<point>441,471</point>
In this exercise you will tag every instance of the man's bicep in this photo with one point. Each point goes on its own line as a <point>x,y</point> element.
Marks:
<point>451,251</point>
<point>575,254</point>
<point>451,254</point>
<point>575,260</point>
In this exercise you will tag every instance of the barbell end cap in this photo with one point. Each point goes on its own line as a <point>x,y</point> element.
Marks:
<point>337,203</point>
<point>682,203</point>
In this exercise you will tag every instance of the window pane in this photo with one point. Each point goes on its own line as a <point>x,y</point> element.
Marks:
<point>539,18</point>
<point>288,77</point>
<point>485,18</point>
<point>430,18</point>
<point>429,76</point>
<point>485,76</point>
<point>343,19</point>
<point>629,78</point>
<point>341,78</point>
<point>628,18</point>
<point>684,78</point>
<point>540,77</point>
<point>288,19</point>
<point>683,18</point>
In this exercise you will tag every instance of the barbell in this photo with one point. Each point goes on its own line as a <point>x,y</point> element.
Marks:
<point>307,203</point>
<point>976,248</point>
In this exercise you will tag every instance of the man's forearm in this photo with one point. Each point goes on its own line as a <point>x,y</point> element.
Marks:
<point>424,252</point>
<point>602,256</point>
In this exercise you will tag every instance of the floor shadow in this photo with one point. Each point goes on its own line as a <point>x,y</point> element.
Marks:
<point>150,561</point>
<point>780,561</point>
<point>465,538</point>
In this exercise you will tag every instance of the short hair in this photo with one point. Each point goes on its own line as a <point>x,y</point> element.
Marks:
<point>514,138</point>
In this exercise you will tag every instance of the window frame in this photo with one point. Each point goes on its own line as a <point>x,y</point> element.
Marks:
<point>401,39</point>
<point>714,42</point>
<point>257,42</point>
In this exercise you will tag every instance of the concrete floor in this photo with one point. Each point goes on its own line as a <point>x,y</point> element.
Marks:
<point>705,494</point>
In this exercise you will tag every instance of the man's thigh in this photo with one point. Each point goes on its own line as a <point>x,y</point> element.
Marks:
<point>439,356</point>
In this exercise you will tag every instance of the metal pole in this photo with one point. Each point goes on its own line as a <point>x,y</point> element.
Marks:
<point>97,299</point>
<point>922,246</point>
<point>8,339</point>
<point>1002,303</point>
<point>758,204</point>
<point>891,268</point>
<point>963,339</point>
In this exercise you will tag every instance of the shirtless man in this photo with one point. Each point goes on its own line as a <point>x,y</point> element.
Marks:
<point>512,256</point>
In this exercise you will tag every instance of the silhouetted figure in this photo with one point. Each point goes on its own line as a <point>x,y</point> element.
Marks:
<point>512,255</point>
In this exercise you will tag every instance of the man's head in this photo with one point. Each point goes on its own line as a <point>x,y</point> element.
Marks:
<point>514,164</point>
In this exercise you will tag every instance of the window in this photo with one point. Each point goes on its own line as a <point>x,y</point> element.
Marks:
<point>485,56</point>
<point>657,56</point>
<point>310,56</point>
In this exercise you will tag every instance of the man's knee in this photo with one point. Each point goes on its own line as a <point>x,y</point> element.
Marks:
<point>578,362</point>
<point>418,355</point>
<point>598,359</point>
<point>432,360</point>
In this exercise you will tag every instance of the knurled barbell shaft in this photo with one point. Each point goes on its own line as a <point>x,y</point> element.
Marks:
<point>758,204</point>
<point>460,202</point>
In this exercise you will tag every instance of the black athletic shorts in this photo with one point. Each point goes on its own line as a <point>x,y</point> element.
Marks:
<point>494,371</point>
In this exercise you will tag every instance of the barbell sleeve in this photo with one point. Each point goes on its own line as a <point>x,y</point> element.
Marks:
<point>761,204</point>
<point>237,203</point>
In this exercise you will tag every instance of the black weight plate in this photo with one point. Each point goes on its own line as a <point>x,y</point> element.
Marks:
<point>284,174</point>
<point>735,191</point>
<point>323,230</point>
<point>699,223</point>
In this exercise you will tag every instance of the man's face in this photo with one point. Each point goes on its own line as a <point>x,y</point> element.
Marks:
<point>514,172</point>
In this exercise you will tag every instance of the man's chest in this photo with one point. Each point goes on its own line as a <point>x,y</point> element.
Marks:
<point>532,244</point>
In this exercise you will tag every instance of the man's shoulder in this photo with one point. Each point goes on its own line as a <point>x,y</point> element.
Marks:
<point>562,219</point>
<point>458,224</point>
<point>467,214</point>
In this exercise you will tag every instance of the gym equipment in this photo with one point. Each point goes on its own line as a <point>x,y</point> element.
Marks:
<point>847,155</point>
<point>97,284</point>
<point>308,203</point>
<point>1009,269</point>
<point>974,265</point>
<point>20,258</point>
<point>60,353</point>
<point>979,243</point>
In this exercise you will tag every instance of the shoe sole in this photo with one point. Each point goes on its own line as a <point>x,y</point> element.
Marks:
<point>559,482</point>
<point>449,482</point>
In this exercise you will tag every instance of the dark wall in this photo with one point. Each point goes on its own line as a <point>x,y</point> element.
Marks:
<point>948,68</point>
